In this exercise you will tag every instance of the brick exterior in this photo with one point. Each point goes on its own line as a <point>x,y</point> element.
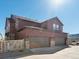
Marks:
<point>23,23</point>
<point>19,29</point>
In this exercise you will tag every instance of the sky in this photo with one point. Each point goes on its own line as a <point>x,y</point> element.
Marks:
<point>41,10</point>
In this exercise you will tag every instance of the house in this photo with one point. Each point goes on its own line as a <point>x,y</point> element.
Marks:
<point>45,34</point>
<point>73,39</point>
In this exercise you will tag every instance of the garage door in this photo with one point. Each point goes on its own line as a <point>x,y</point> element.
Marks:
<point>52,43</point>
<point>59,41</point>
<point>38,42</point>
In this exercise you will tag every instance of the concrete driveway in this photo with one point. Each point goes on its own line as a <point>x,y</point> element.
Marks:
<point>68,53</point>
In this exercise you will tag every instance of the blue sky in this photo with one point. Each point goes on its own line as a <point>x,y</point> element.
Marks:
<point>41,10</point>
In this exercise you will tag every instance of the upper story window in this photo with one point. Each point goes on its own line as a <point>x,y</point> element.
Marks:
<point>55,27</point>
<point>61,28</point>
<point>8,26</point>
<point>16,24</point>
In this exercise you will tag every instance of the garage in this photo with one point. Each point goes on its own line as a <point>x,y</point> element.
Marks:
<point>59,41</point>
<point>39,42</point>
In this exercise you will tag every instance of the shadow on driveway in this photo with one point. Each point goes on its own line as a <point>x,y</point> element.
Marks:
<point>35,51</point>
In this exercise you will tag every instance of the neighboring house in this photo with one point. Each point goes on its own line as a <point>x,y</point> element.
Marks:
<point>73,38</point>
<point>44,34</point>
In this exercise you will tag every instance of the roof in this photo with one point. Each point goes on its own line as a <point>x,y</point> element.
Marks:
<point>31,27</point>
<point>24,18</point>
<point>32,20</point>
<point>54,18</point>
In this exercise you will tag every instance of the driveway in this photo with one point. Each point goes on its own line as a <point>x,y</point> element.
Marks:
<point>68,53</point>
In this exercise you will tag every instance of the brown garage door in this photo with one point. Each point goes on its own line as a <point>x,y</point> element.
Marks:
<point>38,42</point>
<point>59,41</point>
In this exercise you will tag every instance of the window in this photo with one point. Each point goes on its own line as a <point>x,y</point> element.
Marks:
<point>55,27</point>
<point>16,24</point>
<point>61,28</point>
<point>8,26</point>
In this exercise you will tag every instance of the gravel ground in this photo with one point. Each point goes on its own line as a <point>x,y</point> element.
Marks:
<point>67,53</point>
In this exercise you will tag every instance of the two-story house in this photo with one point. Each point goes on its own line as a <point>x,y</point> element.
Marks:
<point>45,34</point>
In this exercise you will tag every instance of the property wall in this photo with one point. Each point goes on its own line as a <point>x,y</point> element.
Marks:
<point>1,46</point>
<point>14,45</point>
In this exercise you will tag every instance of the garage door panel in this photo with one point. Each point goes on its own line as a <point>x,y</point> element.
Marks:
<point>60,41</point>
<point>37,42</point>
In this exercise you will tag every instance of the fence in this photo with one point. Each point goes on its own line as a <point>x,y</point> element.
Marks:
<point>11,45</point>
<point>1,46</point>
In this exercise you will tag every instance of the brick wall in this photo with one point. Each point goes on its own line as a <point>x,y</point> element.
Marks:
<point>23,23</point>
<point>50,25</point>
